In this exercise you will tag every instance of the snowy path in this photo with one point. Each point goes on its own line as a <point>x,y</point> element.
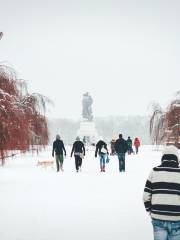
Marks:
<point>42,204</point>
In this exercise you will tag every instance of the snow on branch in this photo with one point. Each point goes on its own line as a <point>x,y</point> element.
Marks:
<point>23,122</point>
<point>165,124</point>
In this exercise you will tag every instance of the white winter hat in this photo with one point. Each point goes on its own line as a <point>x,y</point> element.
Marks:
<point>171,149</point>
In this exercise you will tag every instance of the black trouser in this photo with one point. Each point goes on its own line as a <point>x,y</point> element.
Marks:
<point>78,162</point>
<point>137,148</point>
<point>59,161</point>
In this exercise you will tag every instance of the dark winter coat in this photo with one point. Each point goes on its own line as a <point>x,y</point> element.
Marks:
<point>99,146</point>
<point>129,142</point>
<point>78,147</point>
<point>121,146</point>
<point>58,147</point>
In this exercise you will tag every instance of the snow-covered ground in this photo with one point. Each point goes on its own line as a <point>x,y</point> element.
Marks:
<point>42,204</point>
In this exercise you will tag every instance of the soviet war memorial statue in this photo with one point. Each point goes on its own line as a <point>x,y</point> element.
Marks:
<point>87,110</point>
<point>87,131</point>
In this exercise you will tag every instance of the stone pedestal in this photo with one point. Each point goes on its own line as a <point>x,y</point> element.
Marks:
<point>87,129</point>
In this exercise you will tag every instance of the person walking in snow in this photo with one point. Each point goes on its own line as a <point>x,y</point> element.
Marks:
<point>79,152</point>
<point>121,148</point>
<point>129,144</point>
<point>137,144</point>
<point>102,151</point>
<point>113,152</point>
<point>58,149</point>
<point>162,196</point>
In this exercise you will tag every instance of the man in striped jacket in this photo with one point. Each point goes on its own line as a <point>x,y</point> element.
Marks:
<point>162,196</point>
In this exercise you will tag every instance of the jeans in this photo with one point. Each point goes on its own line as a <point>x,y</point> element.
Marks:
<point>102,158</point>
<point>166,230</point>
<point>121,157</point>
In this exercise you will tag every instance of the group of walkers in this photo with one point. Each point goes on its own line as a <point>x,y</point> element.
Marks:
<point>129,145</point>
<point>121,146</point>
<point>162,189</point>
<point>78,149</point>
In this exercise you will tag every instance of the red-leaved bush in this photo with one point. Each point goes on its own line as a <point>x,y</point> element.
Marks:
<point>165,125</point>
<point>23,124</point>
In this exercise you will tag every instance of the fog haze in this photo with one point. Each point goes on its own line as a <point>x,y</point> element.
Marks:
<point>125,53</point>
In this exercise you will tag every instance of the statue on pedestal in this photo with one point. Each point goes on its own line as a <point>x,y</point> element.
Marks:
<point>87,110</point>
<point>1,35</point>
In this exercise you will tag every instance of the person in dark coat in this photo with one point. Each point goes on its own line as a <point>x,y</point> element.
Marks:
<point>102,151</point>
<point>58,149</point>
<point>121,148</point>
<point>129,143</point>
<point>79,152</point>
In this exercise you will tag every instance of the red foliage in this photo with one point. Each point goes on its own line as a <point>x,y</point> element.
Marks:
<point>22,116</point>
<point>165,125</point>
<point>173,123</point>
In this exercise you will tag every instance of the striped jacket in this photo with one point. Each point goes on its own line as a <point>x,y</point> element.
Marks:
<point>162,192</point>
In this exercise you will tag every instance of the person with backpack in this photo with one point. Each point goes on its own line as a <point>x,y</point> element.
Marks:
<point>58,149</point>
<point>102,151</point>
<point>79,152</point>
<point>121,148</point>
<point>162,196</point>
<point>129,144</point>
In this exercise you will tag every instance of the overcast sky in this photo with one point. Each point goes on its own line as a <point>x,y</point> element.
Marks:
<point>126,53</point>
